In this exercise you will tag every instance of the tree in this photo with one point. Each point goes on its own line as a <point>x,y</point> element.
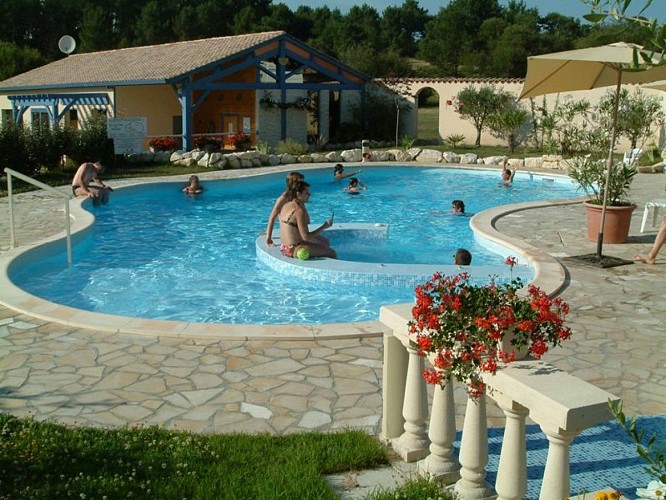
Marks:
<point>479,104</point>
<point>637,116</point>
<point>154,25</point>
<point>453,32</point>
<point>402,27</point>
<point>15,60</point>
<point>96,31</point>
<point>510,124</point>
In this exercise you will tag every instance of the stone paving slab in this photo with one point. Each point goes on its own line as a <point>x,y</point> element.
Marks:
<point>91,377</point>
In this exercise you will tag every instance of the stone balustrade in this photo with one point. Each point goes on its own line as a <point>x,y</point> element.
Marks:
<point>561,404</point>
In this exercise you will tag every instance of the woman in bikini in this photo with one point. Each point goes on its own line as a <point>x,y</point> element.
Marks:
<point>294,231</point>
<point>292,179</point>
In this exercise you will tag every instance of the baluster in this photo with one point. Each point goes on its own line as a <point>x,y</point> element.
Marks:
<point>512,471</point>
<point>440,464</point>
<point>474,452</point>
<point>555,484</point>
<point>412,445</point>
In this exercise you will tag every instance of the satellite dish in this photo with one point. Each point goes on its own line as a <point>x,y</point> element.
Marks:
<point>66,44</point>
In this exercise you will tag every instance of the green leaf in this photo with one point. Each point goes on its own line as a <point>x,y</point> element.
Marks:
<point>595,18</point>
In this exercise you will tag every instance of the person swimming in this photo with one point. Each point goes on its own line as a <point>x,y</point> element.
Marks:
<point>339,172</point>
<point>355,186</point>
<point>458,207</point>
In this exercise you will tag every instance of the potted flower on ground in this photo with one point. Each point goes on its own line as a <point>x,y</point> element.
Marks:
<point>162,144</point>
<point>589,172</point>
<point>240,141</point>
<point>466,329</point>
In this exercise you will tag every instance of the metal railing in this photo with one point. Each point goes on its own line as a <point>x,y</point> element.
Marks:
<point>41,185</point>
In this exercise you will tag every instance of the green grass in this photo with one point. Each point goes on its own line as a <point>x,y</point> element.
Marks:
<point>44,460</point>
<point>428,125</point>
<point>416,489</point>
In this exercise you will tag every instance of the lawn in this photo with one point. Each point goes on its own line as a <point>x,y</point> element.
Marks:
<point>44,460</point>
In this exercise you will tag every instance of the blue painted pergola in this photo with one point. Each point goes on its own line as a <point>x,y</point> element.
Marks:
<point>284,50</point>
<point>52,103</point>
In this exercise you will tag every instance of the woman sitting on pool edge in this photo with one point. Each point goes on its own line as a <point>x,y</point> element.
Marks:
<point>292,179</point>
<point>294,231</point>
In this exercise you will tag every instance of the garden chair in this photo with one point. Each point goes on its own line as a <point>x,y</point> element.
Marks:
<point>631,157</point>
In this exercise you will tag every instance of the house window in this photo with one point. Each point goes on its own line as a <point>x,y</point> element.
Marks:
<point>7,116</point>
<point>39,118</point>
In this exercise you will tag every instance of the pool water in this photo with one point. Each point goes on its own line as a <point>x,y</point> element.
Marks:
<point>155,252</point>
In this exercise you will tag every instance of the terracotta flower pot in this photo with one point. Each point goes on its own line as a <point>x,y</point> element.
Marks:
<point>506,346</point>
<point>616,228</point>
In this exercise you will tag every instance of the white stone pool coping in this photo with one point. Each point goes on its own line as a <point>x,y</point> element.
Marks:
<point>549,275</point>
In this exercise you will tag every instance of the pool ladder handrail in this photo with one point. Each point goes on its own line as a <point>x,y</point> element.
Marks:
<point>30,180</point>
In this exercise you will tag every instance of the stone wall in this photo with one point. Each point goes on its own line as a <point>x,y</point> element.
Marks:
<point>248,159</point>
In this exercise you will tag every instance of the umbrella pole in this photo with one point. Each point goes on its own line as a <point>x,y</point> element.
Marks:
<point>609,163</point>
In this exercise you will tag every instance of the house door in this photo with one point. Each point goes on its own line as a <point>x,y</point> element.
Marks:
<point>230,125</point>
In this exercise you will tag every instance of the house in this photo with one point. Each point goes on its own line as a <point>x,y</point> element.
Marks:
<point>269,85</point>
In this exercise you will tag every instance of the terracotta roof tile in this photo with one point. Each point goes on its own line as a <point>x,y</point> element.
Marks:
<point>150,64</point>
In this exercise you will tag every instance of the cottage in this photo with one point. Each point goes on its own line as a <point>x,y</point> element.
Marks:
<point>267,85</point>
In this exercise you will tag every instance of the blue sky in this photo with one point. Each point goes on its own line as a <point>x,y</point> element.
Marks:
<point>573,8</point>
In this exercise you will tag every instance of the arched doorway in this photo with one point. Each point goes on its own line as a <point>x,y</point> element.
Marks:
<point>427,117</point>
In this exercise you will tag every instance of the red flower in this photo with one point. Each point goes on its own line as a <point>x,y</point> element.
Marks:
<point>459,326</point>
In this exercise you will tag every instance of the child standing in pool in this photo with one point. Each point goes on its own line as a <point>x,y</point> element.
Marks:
<point>194,186</point>
<point>355,186</point>
<point>507,174</point>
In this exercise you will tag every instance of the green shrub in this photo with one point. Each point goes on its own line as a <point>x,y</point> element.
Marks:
<point>263,147</point>
<point>453,140</point>
<point>349,132</point>
<point>14,153</point>
<point>92,144</point>
<point>290,146</point>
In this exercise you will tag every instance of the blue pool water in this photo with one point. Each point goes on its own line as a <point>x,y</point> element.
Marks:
<point>157,253</point>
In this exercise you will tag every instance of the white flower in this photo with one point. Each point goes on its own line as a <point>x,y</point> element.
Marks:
<point>655,490</point>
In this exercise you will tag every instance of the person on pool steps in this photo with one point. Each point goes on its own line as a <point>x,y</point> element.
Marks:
<point>294,230</point>
<point>82,183</point>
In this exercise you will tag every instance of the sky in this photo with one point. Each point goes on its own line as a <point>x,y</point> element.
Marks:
<point>572,8</point>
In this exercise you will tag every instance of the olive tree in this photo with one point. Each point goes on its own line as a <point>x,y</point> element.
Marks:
<point>479,105</point>
<point>637,116</point>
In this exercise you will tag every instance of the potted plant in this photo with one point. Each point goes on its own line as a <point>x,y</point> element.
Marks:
<point>466,329</point>
<point>162,144</point>
<point>240,141</point>
<point>589,172</point>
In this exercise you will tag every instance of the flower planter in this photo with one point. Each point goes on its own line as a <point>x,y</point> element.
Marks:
<point>616,228</point>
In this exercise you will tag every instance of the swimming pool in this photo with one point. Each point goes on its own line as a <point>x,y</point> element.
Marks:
<point>156,253</point>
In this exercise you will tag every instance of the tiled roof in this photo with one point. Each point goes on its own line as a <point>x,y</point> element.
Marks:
<point>150,64</point>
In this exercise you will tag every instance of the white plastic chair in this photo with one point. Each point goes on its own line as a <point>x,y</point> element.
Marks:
<point>631,157</point>
<point>656,205</point>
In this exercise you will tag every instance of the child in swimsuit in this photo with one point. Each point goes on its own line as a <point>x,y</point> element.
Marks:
<point>355,186</point>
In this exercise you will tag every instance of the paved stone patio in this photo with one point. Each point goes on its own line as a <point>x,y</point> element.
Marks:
<point>90,377</point>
